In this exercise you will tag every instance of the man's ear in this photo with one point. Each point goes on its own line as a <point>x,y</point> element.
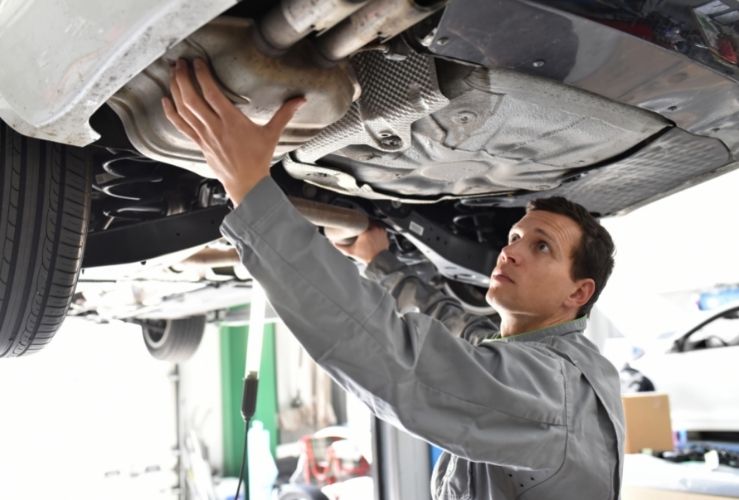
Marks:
<point>582,294</point>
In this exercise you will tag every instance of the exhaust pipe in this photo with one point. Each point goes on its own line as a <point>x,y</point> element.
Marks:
<point>292,20</point>
<point>341,225</point>
<point>380,19</point>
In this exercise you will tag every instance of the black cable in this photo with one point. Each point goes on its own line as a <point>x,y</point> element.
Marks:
<point>244,465</point>
<point>248,407</point>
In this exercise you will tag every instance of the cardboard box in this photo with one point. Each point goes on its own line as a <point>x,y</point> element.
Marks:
<point>648,425</point>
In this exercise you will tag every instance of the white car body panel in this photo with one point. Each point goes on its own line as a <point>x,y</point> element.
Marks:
<point>703,386</point>
<point>50,93</point>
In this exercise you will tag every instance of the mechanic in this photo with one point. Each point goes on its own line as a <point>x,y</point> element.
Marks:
<point>533,413</point>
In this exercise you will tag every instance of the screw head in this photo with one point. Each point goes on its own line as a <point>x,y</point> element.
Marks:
<point>391,142</point>
<point>464,117</point>
<point>442,41</point>
<point>539,63</point>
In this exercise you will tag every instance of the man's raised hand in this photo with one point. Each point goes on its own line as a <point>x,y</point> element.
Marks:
<point>237,150</point>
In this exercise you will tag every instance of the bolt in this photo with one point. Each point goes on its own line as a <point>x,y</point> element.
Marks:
<point>442,41</point>
<point>538,63</point>
<point>464,117</point>
<point>391,142</point>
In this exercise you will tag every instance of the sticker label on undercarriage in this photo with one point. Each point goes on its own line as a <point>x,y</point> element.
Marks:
<point>416,228</point>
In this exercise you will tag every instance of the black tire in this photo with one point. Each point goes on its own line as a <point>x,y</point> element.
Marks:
<point>44,213</point>
<point>173,340</point>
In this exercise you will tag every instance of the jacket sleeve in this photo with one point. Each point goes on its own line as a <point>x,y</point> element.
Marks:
<point>413,292</point>
<point>500,402</point>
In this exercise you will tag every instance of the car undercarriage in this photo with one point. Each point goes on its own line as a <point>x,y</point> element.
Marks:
<point>439,120</point>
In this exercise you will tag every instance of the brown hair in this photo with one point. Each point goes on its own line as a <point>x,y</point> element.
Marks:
<point>593,257</point>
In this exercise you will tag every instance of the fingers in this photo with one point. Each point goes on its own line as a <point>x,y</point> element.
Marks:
<point>283,115</point>
<point>173,116</point>
<point>201,114</point>
<point>211,92</point>
<point>192,122</point>
<point>191,97</point>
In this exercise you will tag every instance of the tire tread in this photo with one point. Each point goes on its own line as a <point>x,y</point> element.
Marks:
<point>44,215</point>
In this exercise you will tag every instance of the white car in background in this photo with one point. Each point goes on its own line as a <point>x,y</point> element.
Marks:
<point>698,368</point>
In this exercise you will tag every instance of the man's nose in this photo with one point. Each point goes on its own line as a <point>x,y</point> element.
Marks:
<point>509,253</point>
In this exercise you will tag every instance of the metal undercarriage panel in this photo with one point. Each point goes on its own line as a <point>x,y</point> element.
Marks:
<point>483,132</point>
<point>592,56</point>
<point>673,162</point>
<point>510,100</point>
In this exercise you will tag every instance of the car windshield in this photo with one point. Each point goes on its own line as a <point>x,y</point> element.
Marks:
<point>721,332</point>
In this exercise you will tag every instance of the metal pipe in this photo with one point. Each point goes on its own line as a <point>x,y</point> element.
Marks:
<point>214,257</point>
<point>292,20</point>
<point>381,19</point>
<point>340,224</point>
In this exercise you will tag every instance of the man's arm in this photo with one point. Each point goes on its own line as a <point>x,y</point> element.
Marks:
<point>413,291</point>
<point>499,402</point>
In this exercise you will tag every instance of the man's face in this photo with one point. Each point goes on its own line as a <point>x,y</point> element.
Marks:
<point>533,274</point>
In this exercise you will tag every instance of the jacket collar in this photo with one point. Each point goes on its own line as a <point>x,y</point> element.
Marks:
<point>576,325</point>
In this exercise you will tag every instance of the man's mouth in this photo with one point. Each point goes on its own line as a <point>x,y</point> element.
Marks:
<point>502,278</point>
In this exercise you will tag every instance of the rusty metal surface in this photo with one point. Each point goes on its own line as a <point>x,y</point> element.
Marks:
<point>256,83</point>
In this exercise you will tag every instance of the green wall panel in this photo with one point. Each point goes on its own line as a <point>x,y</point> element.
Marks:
<point>233,354</point>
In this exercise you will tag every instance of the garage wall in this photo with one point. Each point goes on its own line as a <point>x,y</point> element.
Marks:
<point>684,242</point>
<point>91,412</point>
<point>200,396</point>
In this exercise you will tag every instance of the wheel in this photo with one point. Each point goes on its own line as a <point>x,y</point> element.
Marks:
<point>44,213</point>
<point>174,340</point>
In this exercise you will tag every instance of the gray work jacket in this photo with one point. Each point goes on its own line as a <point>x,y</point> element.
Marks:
<point>534,416</point>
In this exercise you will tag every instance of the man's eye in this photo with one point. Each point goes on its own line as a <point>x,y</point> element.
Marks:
<point>512,238</point>
<point>542,246</point>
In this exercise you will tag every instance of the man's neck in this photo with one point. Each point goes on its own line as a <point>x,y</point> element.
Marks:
<point>514,324</point>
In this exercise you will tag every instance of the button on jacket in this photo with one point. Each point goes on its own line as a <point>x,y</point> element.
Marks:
<point>533,416</point>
